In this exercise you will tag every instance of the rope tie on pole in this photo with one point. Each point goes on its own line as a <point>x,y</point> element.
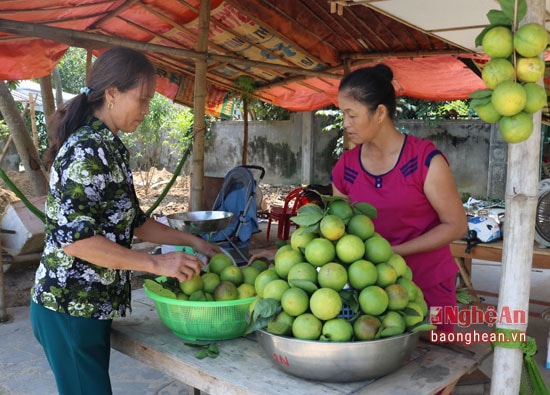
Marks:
<point>531,382</point>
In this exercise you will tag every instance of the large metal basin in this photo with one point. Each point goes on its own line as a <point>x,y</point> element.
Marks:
<point>200,221</point>
<point>338,362</point>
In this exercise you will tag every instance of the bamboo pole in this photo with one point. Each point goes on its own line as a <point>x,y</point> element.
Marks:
<point>521,198</point>
<point>197,165</point>
<point>3,304</point>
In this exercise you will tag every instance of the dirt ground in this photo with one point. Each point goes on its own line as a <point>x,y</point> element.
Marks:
<point>149,186</point>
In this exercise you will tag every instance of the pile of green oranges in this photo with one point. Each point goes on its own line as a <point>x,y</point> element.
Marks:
<point>512,76</point>
<point>221,281</point>
<point>338,280</point>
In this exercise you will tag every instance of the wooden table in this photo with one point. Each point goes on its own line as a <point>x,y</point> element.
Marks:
<point>493,252</point>
<point>242,366</point>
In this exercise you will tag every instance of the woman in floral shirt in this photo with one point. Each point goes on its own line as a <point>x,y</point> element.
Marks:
<point>92,215</point>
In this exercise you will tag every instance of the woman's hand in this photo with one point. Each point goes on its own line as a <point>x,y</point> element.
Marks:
<point>267,254</point>
<point>177,264</point>
<point>206,248</point>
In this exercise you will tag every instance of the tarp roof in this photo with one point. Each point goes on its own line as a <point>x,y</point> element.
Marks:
<point>294,50</point>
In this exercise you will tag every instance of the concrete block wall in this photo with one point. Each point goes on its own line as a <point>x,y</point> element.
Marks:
<point>474,149</point>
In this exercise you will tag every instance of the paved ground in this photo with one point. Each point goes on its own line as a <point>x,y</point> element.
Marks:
<point>24,369</point>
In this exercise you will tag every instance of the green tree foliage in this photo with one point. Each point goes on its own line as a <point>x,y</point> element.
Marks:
<point>407,108</point>
<point>72,68</point>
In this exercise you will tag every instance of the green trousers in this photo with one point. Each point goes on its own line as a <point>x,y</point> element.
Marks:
<point>78,350</point>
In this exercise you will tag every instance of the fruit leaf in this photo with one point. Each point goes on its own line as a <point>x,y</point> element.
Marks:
<point>307,218</point>
<point>306,285</point>
<point>479,102</point>
<point>481,94</point>
<point>365,208</point>
<point>265,308</point>
<point>311,229</point>
<point>411,312</point>
<point>508,9</point>
<point>499,18</point>
<point>263,313</point>
<point>463,296</point>
<point>422,327</point>
<point>309,208</point>
<point>206,349</point>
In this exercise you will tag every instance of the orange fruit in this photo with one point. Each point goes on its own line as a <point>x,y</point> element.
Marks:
<point>332,227</point>
<point>398,263</point>
<point>332,275</point>
<point>263,279</point>
<point>377,249</point>
<point>210,281</point>
<point>393,324</point>
<point>285,260</point>
<point>509,98</point>
<point>307,327</point>
<point>246,291</point>
<point>249,274</point>
<point>498,42</point>
<point>360,225</point>
<point>191,285</point>
<point>365,327</point>
<point>319,251</point>
<point>232,273</point>
<point>302,271</point>
<point>295,301</point>
<point>398,297</point>
<point>325,303</point>
<point>386,275</point>
<point>536,97</point>
<point>275,289</point>
<point>373,300</point>
<point>350,248</point>
<point>226,290</point>
<point>300,237</point>
<point>362,273</point>
<point>530,39</point>
<point>340,208</point>
<point>516,128</point>
<point>218,262</point>
<point>530,69</point>
<point>337,330</point>
<point>487,112</point>
<point>497,71</point>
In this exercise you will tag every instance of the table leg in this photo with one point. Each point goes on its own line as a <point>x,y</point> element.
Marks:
<point>465,268</point>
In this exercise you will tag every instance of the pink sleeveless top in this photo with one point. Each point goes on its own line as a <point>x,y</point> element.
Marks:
<point>404,212</point>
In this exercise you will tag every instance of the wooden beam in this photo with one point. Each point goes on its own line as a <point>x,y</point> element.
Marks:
<point>88,40</point>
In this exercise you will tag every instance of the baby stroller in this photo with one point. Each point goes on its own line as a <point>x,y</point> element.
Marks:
<point>238,196</point>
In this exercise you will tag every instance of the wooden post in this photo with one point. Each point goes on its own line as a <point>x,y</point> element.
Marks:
<point>197,166</point>
<point>3,303</point>
<point>521,198</point>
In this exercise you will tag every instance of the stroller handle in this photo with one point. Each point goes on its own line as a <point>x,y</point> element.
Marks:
<point>260,168</point>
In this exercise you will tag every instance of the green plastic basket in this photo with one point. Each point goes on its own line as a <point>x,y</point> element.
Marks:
<point>209,320</point>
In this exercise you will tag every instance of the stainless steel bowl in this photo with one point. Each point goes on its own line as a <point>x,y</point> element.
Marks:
<point>338,362</point>
<point>200,221</point>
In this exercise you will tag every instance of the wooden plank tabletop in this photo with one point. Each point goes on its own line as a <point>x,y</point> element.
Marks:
<point>243,367</point>
<point>493,252</point>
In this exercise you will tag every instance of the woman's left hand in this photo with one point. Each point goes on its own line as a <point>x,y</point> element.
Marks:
<point>206,248</point>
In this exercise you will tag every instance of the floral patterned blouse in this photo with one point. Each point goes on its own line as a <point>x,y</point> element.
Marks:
<point>91,192</point>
